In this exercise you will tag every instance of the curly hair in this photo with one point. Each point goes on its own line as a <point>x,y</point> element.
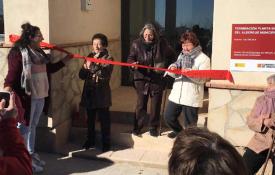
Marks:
<point>191,37</point>
<point>28,31</point>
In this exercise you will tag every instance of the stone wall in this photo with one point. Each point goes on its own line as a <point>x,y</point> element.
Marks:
<point>227,114</point>
<point>67,87</point>
<point>65,94</point>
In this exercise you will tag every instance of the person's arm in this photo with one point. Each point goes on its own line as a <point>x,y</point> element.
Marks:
<point>132,57</point>
<point>174,66</point>
<point>204,66</point>
<point>16,158</point>
<point>14,69</point>
<point>256,121</point>
<point>54,67</point>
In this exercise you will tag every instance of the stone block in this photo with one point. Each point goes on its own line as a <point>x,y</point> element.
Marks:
<point>218,98</point>
<point>245,100</point>
<point>238,136</point>
<point>217,119</point>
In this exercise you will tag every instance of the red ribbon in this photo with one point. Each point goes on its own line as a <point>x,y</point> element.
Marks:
<point>206,74</point>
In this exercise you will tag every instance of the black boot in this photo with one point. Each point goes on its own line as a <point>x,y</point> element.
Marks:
<point>136,132</point>
<point>153,132</point>
<point>172,135</point>
<point>89,144</point>
<point>106,147</point>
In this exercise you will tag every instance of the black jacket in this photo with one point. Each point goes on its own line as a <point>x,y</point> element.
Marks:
<point>96,91</point>
<point>158,54</point>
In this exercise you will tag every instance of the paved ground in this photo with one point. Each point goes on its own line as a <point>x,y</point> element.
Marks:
<point>60,165</point>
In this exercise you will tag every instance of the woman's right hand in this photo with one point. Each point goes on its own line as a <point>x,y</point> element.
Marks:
<point>87,65</point>
<point>135,67</point>
<point>172,67</point>
<point>269,122</point>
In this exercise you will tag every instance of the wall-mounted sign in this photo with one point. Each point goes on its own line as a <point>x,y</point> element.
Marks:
<point>86,5</point>
<point>253,47</point>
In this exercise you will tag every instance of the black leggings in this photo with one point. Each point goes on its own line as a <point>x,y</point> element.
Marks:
<point>255,161</point>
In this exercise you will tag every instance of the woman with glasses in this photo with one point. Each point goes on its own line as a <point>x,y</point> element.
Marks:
<point>28,68</point>
<point>187,93</point>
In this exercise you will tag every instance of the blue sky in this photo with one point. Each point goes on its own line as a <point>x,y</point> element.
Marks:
<point>188,12</point>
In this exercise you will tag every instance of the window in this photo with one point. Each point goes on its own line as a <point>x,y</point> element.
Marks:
<point>174,16</point>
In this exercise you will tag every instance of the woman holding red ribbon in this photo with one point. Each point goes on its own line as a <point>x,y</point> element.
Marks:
<point>96,95</point>
<point>187,93</point>
<point>261,120</point>
<point>28,68</point>
<point>149,49</point>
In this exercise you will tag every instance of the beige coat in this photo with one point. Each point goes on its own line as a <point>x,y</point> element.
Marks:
<point>263,108</point>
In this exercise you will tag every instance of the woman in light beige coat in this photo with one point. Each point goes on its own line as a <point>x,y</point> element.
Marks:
<point>262,121</point>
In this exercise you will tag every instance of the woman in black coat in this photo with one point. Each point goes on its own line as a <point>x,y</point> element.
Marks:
<point>149,49</point>
<point>96,96</point>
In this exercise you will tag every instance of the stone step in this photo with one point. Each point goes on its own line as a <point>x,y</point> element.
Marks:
<point>139,157</point>
<point>121,136</point>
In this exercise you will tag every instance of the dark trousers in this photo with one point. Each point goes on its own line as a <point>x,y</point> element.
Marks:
<point>141,110</point>
<point>173,111</point>
<point>255,161</point>
<point>105,123</point>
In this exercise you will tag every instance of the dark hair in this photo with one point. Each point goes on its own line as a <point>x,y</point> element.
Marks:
<point>197,151</point>
<point>191,37</point>
<point>102,37</point>
<point>28,31</point>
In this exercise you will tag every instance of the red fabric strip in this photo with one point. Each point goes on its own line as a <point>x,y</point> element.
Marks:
<point>207,74</point>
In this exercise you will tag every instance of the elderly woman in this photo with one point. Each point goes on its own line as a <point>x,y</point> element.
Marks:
<point>96,96</point>
<point>187,93</point>
<point>149,49</point>
<point>262,121</point>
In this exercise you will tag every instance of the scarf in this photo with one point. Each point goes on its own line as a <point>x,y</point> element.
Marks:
<point>188,58</point>
<point>94,67</point>
<point>29,57</point>
<point>26,72</point>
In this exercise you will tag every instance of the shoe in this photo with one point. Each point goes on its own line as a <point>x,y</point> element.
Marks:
<point>37,160</point>
<point>172,135</point>
<point>153,132</point>
<point>88,144</point>
<point>136,132</point>
<point>36,168</point>
<point>106,148</point>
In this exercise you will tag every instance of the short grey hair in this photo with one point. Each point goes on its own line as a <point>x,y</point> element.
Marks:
<point>271,79</point>
<point>151,27</point>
